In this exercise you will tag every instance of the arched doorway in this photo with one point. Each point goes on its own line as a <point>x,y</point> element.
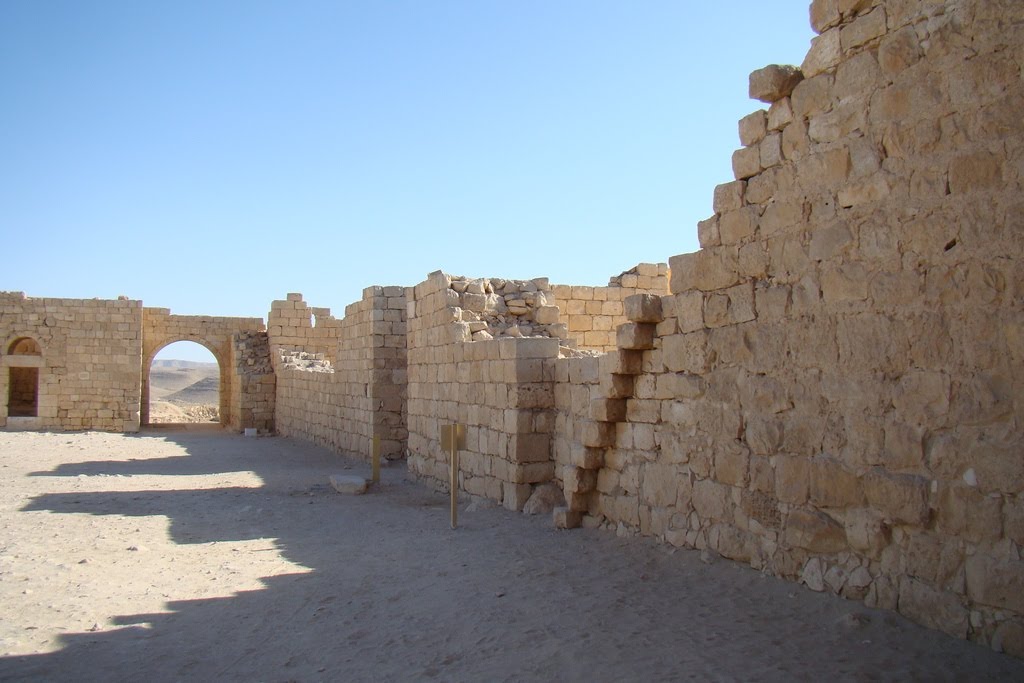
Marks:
<point>186,383</point>
<point>23,379</point>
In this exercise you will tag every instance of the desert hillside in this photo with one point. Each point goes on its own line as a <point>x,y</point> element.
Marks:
<point>183,391</point>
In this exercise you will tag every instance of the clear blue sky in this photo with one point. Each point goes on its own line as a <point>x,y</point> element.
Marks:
<point>211,156</point>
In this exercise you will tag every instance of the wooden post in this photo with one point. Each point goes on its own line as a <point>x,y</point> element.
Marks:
<point>453,439</point>
<point>375,459</point>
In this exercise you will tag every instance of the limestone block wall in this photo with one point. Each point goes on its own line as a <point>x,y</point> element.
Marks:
<point>293,325</point>
<point>832,392</point>
<point>501,389</point>
<point>591,314</point>
<point>86,372</point>
<point>576,393</point>
<point>215,333</point>
<point>342,382</point>
<point>253,392</point>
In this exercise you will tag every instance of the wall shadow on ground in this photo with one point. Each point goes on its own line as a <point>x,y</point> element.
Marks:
<point>391,593</point>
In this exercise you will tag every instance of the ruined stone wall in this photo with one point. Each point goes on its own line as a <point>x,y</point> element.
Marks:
<point>832,392</point>
<point>501,389</point>
<point>591,314</point>
<point>253,392</point>
<point>216,334</point>
<point>342,382</point>
<point>294,325</point>
<point>88,370</point>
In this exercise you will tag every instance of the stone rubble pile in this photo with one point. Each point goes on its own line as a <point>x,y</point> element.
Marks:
<point>301,360</point>
<point>495,307</point>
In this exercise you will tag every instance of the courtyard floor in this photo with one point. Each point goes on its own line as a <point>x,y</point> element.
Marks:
<point>201,555</point>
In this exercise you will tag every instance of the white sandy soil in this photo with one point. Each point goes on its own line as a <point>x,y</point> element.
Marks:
<point>200,556</point>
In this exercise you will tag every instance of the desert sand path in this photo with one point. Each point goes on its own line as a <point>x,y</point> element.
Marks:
<point>200,555</point>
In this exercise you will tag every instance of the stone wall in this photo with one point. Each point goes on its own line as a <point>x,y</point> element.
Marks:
<point>832,391</point>
<point>591,314</point>
<point>86,370</point>
<point>342,382</point>
<point>253,392</point>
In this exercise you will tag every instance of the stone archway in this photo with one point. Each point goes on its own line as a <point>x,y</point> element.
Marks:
<point>224,381</point>
<point>216,334</point>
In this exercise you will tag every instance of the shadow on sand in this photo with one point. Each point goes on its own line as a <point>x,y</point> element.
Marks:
<point>390,593</point>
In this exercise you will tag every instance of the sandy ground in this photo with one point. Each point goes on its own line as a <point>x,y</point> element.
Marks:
<point>200,555</point>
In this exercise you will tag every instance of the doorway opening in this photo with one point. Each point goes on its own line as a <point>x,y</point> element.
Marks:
<point>23,381</point>
<point>184,385</point>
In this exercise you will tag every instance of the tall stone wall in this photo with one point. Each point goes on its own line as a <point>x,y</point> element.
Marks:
<point>832,390</point>
<point>342,382</point>
<point>87,370</point>
<point>591,314</point>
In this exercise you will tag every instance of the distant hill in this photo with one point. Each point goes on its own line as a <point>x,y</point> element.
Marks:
<point>184,364</point>
<point>205,391</point>
<point>183,391</point>
<point>169,376</point>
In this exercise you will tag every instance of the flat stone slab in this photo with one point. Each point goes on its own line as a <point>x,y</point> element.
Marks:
<point>348,483</point>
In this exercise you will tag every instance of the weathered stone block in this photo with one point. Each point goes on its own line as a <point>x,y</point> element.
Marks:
<point>813,96</point>
<point>686,353</point>
<point>598,434</point>
<point>753,128</point>
<point>707,232</point>
<point>348,484</point>
<point>832,486</point>
<point>792,479</point>
<point>738,225</point>
<point>975,172</point>
<point>728,196</point>
<point>746,162</point>
<point>997,582</point>
<point>706,270</point>
<point>902,497</point>
<point>866,531</point>
<point>608,409</point>
<point>814,531</point>
<point>863,29</point>
<point>635,336</point>
<point>774,82</point>
<point>644,308</point>
<point>825,53</point>
<point>712,501</point>
<point>824,15</point>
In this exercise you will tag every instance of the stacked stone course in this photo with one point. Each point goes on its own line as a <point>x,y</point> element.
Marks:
<point>340,383</point>
<point>592,314</point>
<point>89,375</point>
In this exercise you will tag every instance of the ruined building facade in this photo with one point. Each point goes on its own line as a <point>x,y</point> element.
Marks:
<point>829,390</point>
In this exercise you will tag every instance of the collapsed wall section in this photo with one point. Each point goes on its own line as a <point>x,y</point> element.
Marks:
<point>253,392</point>
<point>832,391</point>
<point>82,371</point>
<point>500,388</point>
<point>342,382</point>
